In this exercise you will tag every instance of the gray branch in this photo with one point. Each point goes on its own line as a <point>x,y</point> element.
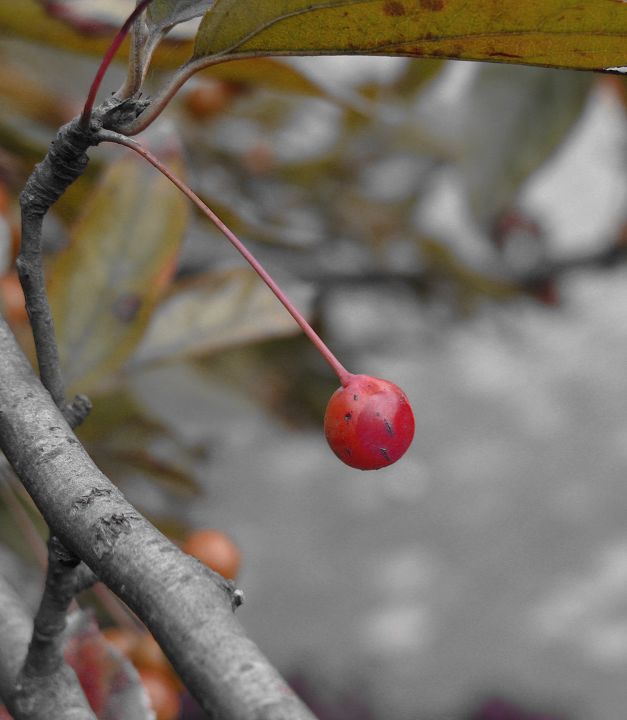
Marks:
<point>186,606</point>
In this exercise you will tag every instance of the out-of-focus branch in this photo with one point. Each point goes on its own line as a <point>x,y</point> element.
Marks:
<point>186,606</point>
<point>15,632</point>
<point>607,256</point>
<point>57,695</point>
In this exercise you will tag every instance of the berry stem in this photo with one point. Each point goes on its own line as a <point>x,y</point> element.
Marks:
<point>107,59</point>
<point>337,367</point>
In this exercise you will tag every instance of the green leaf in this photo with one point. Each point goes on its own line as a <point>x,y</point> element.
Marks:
<point>214,312</point>
<point>556,33</point>
<point>105,285</point>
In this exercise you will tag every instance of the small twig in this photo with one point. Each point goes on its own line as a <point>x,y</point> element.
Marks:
<point>65,162</point>
<point>63,581</point>
<point>77,411</point>
<point>44,661</point>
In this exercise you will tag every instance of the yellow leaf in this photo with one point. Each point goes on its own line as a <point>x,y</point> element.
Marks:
<point>105,285</point>
<point>558,33</point>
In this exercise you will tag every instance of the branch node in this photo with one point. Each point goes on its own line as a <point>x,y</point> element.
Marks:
<point>77,411</point>
<point>237,599</point>
<point>65,558</point>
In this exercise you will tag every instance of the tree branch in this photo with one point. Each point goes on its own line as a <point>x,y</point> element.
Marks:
<point>64,580</point>
<point>64,163</point>
<point>186,606</point>
<point>56,695</point>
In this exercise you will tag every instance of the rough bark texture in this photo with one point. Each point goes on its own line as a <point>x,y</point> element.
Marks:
<point>64,163</point>
<point>187,607</point>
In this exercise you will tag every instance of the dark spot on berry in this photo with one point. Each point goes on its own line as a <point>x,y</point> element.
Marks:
<point>348,416</point>
<point>384,452</point>
<point>355,398</point>
<point>388,426</point>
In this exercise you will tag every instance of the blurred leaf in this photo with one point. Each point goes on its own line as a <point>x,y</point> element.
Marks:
<point>90,17</point>
<point>417,75</point>
<point>163,14</point>
<point>23,93</point>
<point>173,477</point>
<point>176,530</point>
<point>443,261</point>
<point>92,37</point>
<point>34,23</point>
<point>124,440</point>
<point>117,412</point>
<point>271,73</point>
<point>554,32</point>
<point>105,285</point>
<point>514,119</point>
<point>213,312</point>
<point>283,375</point>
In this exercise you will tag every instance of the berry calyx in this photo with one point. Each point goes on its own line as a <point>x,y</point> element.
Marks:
<point>369,423</point>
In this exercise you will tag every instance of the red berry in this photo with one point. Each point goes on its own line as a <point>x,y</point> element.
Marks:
<point>369,423</point>
<point>216,550</point>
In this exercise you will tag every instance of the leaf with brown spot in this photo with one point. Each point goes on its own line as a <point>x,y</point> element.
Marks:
<point>555,33</point>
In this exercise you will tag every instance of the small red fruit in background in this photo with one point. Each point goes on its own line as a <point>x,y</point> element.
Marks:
<point>369,422</point>
<point>209,97</point>
<point>123,639</point>
<point>214,549</point>
<point>12,303</point>
<point>164,696</point>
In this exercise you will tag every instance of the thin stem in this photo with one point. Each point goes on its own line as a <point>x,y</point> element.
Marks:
<point>107,59</point>
<point>337,367</point>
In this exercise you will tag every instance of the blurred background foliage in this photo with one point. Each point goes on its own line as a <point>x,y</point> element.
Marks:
<point>337,174</point>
